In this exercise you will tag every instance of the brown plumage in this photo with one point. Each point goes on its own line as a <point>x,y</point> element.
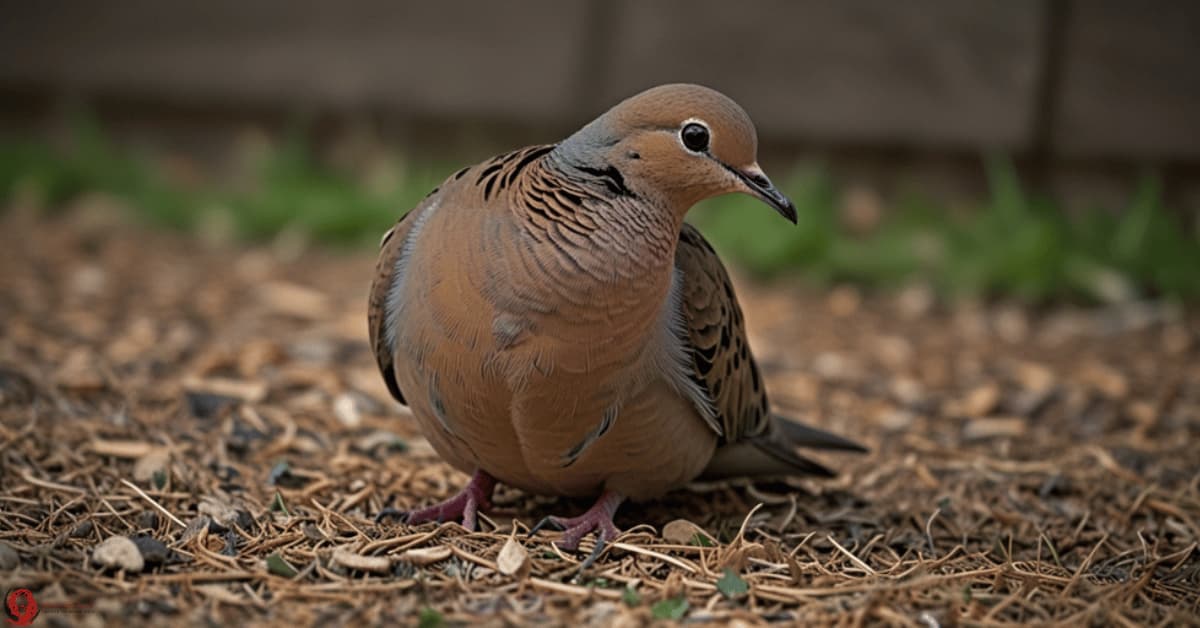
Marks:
<point>555,326</point>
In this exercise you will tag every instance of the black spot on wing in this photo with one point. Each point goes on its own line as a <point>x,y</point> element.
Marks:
<point>531,155</point>
<point>606,422</point>
<point>490,170</point>
<point>488,177</point>
<point>702,358</point>
<point>570,199</point>
<point>537,207</point>
<point>613,180</point>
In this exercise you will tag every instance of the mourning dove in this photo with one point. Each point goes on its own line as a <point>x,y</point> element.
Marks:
<point>554,325</point>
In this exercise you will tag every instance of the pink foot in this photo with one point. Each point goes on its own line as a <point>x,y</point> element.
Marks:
<point>598,519</point>
<point>475,496</point>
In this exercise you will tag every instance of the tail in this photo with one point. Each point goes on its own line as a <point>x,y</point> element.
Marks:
<point>773,454</point>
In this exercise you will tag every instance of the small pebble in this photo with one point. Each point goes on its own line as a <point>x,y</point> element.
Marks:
<point>844,301</point>
<point>194,527</point>
<point>203,405</point>
<point>221,513</point>
<point>146,467</point>
<point>9,559</point>
<point>232,540</point>
<point>148,520</point>
<point>118,552</point>
<point>152,550</point>
<point>82,529</point>
<point>245,521</point>
<point>346,410</point>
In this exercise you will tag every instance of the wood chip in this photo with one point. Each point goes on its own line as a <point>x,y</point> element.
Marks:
<point>993,427</point>
<point>422,556</point>
<point>80,372</point>
<point>1034,376</point>
<point>980,401</point>
<point>242,390</point>
<point>1105,379</point>
<point>219,592</point>
<point>372,564</point>
<point>129,449</point>
<point>294,300</point>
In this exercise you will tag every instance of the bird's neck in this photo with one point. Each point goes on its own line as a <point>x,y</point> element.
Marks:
<point>633,234</point>
<point>615,252</point>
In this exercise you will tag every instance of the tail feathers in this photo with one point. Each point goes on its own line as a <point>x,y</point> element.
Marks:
<point>773,453</point>
<point>801,435</point>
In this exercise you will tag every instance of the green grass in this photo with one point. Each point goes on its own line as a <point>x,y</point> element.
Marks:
<point>288,189</point>
<point>1013,244</point>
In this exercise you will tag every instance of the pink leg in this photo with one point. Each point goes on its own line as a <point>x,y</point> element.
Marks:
<point>475,496</point>
<point>598,519</point>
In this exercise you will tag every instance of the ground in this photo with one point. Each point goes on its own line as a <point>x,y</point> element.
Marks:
<point>218,404</point>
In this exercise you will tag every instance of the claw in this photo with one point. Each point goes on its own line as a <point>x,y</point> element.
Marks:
<point>391,513</point>
<point>597,519</point>
<point>475,496</point>
<point>549,520</point>
<point>601,543</point>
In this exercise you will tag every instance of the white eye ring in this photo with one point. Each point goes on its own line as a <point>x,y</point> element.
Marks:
<point>693,125</point>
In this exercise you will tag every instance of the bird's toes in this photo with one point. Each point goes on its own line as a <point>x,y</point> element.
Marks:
<point>470,516</point>
<point>392,513</point>
<point>576,531</point>
<point>548,521</point>
<point>571,538</point>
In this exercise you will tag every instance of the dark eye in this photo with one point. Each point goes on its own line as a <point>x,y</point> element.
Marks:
<point>695,137</point>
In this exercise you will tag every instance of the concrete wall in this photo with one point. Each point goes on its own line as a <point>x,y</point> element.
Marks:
<point>1074,78</point>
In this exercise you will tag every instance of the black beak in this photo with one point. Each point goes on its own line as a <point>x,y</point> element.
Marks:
<point>762,187</point>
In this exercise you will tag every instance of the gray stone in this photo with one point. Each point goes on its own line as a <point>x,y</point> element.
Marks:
<point>119,552</point>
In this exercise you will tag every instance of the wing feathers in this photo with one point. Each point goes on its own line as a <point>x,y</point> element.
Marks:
<point>755,442</point>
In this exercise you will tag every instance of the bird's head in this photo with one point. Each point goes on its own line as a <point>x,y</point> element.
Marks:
<point>680,143</point>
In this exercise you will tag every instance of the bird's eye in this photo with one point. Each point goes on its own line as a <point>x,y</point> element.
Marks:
<point>695,137</point>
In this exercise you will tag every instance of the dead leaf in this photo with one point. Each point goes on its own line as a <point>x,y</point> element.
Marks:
<point>513,558</point>
<point>683,532</point>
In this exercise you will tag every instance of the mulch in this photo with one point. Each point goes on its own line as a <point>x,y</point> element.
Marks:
<point>193,431</point>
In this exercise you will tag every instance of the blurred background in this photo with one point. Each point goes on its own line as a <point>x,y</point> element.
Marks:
<point>1040,150</point>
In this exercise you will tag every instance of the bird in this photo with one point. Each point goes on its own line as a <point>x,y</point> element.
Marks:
<point>554,325</point>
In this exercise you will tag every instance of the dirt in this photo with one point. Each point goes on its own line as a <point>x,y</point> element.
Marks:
<point>216,406</point>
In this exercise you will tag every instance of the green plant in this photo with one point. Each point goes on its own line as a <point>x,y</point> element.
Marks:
<point>1014,244</point>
